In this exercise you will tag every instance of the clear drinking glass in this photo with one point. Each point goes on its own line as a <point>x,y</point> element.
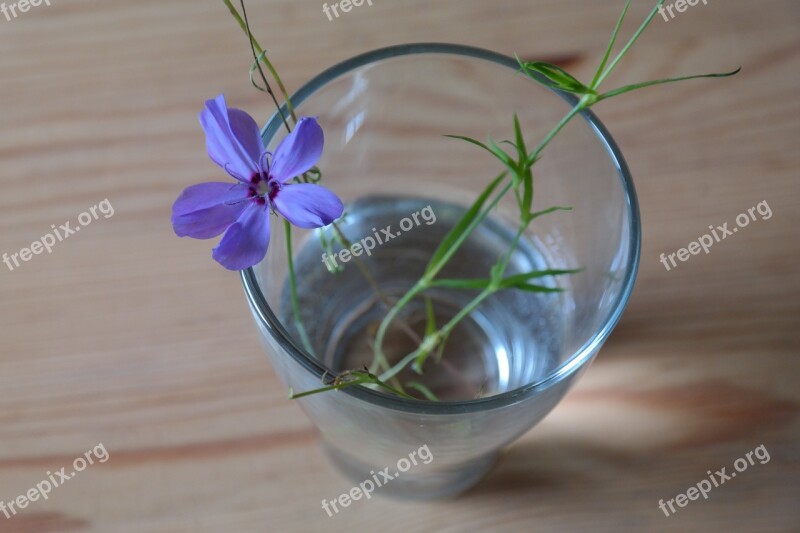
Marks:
<point>384,114</point>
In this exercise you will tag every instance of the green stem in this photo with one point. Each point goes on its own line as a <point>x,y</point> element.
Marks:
<point>380,361</point>
<point>446,329</point>
<point>504,262</point>
<point>425,281</point>
<point>258,50</point>
<point>595,81</point>
<point>298,322</point>
<point>582,104</point>
<point>627,47</point>
<point>361,380</point>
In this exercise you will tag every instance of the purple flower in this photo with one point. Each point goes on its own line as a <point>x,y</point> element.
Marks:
<point>241,210</point>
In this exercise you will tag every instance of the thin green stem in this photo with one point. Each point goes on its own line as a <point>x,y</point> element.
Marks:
<point>467,232</point>
<point>251,40</point>
<point>630,43</point>
<point>364,378</point>
<point>380,361</point>
<point>254,43</point>
<point>426,281</point>
<point>582,104</point>
<point>469,308</point>
<point>436,337</point>
<point>507,257</point>
<point>298,322</point>
<point>595,81</point>
<point>463,313</point>
<point>397,368</point>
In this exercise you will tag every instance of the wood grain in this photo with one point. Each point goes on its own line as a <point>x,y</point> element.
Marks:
<point>126,336</point>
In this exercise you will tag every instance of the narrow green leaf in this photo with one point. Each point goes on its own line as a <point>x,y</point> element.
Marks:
<point>470,140</point>
<point>458,234</point>
<point>556,77</point>
<point>467,284</point>
<point>430,325</point>
<point>519,279</point>
<point>505,283</point>
<point>537,288</point>
<point>523,169</point>
<point>350,379</point>
<point>495,150</point>
<point>630,43</point>
<point>635,86</point>
<point>501,154</point>
<point>521,148</point>
<point>512,145</point>
<point>610,45</point>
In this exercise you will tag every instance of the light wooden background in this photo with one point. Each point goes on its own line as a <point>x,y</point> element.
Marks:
<point>126,335</point>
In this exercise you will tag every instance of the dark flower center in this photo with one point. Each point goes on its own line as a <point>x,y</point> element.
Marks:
<point>274,187</point>
<point>259,189</point>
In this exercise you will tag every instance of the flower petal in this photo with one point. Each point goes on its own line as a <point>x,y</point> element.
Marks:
<point>205,210</point>
<point>307,205</point>
<point>246,241</point>
<point>299,151</point>
<point>233,139</point>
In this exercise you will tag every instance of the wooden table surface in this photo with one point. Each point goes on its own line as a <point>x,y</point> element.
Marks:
<point>126,336</point>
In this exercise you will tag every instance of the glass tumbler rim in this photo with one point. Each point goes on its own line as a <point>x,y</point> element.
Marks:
<point>267,318</point>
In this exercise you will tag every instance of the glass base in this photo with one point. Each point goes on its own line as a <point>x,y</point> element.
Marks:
<point>421,482</point>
